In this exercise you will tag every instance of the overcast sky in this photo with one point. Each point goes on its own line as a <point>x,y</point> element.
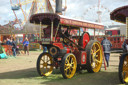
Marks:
<point>82,9</point>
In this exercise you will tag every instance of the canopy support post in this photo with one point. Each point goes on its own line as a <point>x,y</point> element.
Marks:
<point>52,31</point>
<point>94,33</point>
<point>79,32</point>
<point>126,27</point>
<point>57,31</point>
<point>36,31</point>
<point>40,29</point>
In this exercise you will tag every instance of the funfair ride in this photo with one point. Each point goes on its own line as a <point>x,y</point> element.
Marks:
<point>23,9</point>
<point>100,13</point>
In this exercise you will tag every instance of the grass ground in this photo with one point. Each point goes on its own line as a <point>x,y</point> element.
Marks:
<point>22,71</point>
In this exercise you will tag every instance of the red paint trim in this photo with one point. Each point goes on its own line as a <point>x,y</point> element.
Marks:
<point>59,59</point>
<point>83,57</point>
<point>68,50</point>
<point>59,45</point>
<point>80,23</point>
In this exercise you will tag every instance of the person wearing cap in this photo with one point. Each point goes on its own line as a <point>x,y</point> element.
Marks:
<point>26,46</point>
<point>106,48</point>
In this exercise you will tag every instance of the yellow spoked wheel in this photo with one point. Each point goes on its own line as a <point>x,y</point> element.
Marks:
<point>94,56</point>
<point>68,66</point>
<point>44,64</point>
<point>123,68</point>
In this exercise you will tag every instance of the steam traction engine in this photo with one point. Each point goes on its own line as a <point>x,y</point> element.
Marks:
<point>67,47</point>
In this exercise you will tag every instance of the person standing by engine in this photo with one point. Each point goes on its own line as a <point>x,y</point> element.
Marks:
<point>26,46</point>
<point>106,48</point>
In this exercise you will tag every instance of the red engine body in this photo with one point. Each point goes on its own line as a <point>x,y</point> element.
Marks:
<point>81,57</point>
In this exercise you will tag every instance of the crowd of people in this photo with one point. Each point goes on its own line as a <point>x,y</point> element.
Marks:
<point>12,45</point>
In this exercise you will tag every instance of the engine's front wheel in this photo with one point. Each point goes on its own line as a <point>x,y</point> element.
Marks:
<point>68,66</point>
<point>44,64</point>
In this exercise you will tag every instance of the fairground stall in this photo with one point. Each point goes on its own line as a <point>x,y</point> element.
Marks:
<point>121,15</point>
<point>8,31</point>
<point>31,34</point>
<point>68,47</point>
<point>116,40</point>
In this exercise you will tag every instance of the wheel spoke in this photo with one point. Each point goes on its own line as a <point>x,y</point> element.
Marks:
<point>48,61</point>
<point>42,68</point>
<point>66,64</point>
<point>94,46</point>
<point>67,61</point>
<point>70,71</point>
<point>72,67</point>
<point>125,68</point>
<point>97,61</point>
<point>72,61</point>
<point>43,60</point>
<point>126,59</point>
<point>97,55</point>
<point>92,58</point>
<point>42,64</point>
<point>67,68</point>
<point>46,69</point>
<point>97,51</point>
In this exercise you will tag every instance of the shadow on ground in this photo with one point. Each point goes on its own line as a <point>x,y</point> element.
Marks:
<point>26,73</point>
<point>84,78</point>
<point>101,78</point>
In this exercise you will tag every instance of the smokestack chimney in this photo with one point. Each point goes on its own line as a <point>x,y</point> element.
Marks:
<point>59,7</point>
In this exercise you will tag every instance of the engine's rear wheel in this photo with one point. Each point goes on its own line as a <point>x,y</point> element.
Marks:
<point>44,64</point>
<point>94,56</point>
<point>68,66</point>
<point>123,68</point>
